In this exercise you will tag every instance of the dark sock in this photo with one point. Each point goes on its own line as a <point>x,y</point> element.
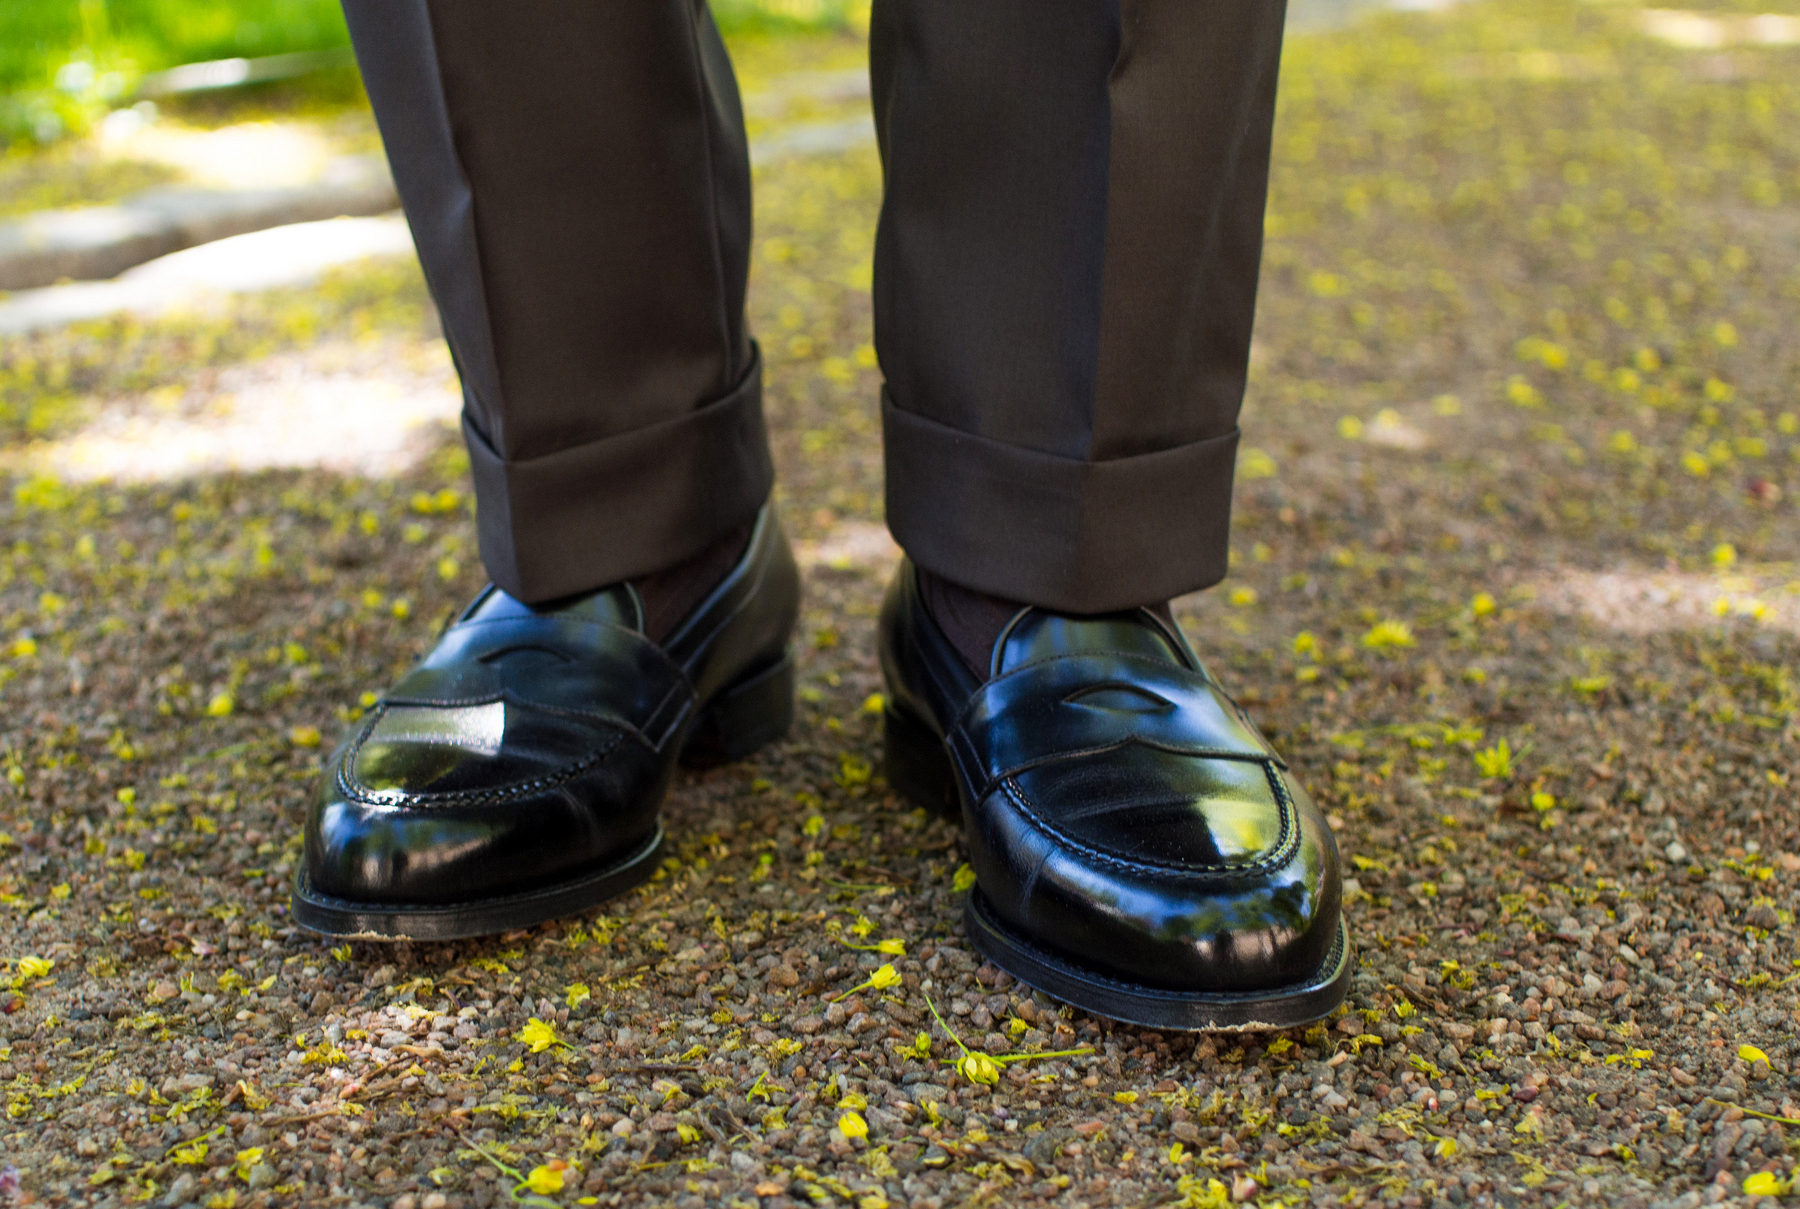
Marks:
<point>671,594</point>
<point>972,620</point>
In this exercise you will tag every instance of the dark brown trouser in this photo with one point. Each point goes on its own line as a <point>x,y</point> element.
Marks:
<point>1065,275</point>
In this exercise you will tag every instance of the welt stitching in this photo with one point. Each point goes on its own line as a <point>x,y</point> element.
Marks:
<point>360,793</point>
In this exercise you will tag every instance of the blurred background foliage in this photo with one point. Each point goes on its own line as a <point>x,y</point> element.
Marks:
<point>38,38</point>
<point>65,63</point>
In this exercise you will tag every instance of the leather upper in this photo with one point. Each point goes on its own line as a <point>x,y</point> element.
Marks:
<point>536,742</point>
<point>1121,811</point>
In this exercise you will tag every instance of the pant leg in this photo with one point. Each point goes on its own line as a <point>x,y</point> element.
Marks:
<point>1065,277</point>
<point>577,179</point>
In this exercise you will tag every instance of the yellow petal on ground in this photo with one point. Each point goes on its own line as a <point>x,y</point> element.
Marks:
<point>1765,1183</point>
<point>1387,634</point>
<point>544,1181</point>
<point>979,1068</point>
<point>539,1035</point>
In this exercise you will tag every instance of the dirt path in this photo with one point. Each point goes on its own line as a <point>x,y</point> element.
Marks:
<point>1515,589</point>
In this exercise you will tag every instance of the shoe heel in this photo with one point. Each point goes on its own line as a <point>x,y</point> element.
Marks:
<point>916,765</point>
<point>747,716</point>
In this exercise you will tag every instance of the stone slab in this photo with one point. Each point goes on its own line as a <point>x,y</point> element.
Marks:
<point>285,256</point>
<point>97,242</point>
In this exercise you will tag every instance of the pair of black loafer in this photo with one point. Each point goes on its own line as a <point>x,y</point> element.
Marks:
<point>1140,851</point>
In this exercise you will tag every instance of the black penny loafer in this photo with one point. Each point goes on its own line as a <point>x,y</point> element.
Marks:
<point>1140,851</point>
<point>515,775</point>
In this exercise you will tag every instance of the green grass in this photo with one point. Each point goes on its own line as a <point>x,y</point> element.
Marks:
<point>38,36</point>
<point>114,42</point>
<point>121,40</point>
<point>789,16</point>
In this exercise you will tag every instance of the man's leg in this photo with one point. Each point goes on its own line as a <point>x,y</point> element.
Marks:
<point>1064,283</point>
<point>1065,277</point>
<point>577,180</point>
<point>578,183</point>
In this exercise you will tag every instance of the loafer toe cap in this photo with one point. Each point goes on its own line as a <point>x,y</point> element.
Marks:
<point>399,820</point>
<point>1162,888</point>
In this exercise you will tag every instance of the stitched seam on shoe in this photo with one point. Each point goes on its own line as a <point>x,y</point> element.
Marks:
<point>356,791</point>
<point>1283,852</point>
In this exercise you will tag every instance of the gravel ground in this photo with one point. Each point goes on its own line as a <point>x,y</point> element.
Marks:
<point>1523,395</point>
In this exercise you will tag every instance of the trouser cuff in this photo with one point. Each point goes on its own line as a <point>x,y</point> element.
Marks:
<point>614,509</point>
<point>1063,534</point>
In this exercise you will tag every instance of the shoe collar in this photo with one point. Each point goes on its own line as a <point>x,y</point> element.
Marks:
<point>619,604</point>
<point>615,604</point>
<point>1035,634</point>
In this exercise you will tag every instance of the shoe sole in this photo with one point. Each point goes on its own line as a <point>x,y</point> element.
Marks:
<point>918,768</point>
<point>349,919</point>
<point>741,720</point>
